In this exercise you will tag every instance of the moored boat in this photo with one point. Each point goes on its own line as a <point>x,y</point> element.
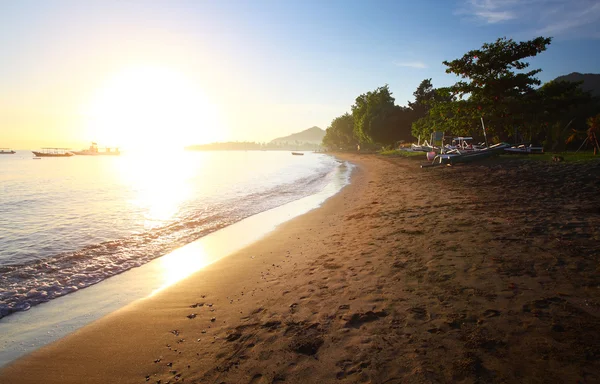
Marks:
<point>93,151</point>
<point>298,153</point>
<point>7,151</point>
<point>53,152</point>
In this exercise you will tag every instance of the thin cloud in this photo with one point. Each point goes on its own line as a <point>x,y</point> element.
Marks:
<point>564,18</point>
<point>411,64</point>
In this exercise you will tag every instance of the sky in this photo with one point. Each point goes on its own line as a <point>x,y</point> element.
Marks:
<point>174,73</point>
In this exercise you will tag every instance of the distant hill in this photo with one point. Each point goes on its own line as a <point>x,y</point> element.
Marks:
<point>591,81</point>
<point>312,135</point>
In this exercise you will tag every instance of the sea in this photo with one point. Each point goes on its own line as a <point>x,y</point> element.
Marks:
<point>69,223</point>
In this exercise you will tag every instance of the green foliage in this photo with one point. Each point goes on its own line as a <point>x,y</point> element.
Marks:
<point>340,134</point>
<point>495,85</point>
<point>371,112</point>
<point>491,88</point>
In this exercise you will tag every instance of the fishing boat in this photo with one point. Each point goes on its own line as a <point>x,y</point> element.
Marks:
<point>94,151</point>
<point>298,153</point>
<point>456,156</point>
<point>53,152</point>
<point>464,144</point>
<point>7,151</point>
<point>526,150</point>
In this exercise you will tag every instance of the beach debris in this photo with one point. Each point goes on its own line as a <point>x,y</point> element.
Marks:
<point>191,316</point>
<point>157,360</point>
<point>212,320</point>
<point>344,306</point>
<point>175,332</point>
<point>197,305</point>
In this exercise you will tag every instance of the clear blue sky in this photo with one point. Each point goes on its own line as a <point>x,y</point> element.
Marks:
<point>264,68</point>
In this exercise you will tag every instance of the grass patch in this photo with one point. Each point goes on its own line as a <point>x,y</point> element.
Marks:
<point>398,153</point>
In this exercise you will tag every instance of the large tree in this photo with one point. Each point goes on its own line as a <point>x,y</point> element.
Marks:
<point>496,86</point>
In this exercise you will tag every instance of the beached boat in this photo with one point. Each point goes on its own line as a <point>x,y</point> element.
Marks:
<point>94,151</point>
<point>456,156</point>
<point>53,152</point>
<point>298,153</point>
<point>7,151</point>
<point>464,144</point>
<point>526,150</point>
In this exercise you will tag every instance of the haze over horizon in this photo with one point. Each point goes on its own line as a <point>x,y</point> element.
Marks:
<point>147,74</point>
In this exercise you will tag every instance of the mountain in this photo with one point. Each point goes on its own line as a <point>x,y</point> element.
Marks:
<point>312,135</point>
<point>591,81</point>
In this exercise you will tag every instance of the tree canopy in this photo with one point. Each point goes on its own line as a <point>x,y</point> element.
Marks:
<point>495,84</point>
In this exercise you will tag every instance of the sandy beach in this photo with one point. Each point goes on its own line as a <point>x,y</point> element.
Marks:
<point>483,273</point>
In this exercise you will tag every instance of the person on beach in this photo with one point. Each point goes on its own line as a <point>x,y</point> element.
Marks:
<point>358,147</point>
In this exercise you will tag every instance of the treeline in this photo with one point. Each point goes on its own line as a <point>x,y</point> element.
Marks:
<point>253,146</point>
<point>495,86</point>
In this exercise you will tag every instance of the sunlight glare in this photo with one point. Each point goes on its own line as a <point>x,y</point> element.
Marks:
<point>151,108</point>
<point>181,263</point>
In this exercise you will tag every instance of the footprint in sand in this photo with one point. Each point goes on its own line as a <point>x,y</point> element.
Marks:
<point>358,319</point>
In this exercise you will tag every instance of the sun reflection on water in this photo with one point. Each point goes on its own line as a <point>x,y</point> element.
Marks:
<point>160,184</point>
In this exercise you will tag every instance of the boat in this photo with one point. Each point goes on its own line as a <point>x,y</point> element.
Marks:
<point>53,152</point>
<point>7,151</point>
<point>298,153</point>
<point>456,156</point>
<point>523,149</point>
<point>464,144</point>
<point>93,151</point>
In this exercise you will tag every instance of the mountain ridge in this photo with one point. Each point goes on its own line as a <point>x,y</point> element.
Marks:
<point>312,135</point>
<point>591,81</point>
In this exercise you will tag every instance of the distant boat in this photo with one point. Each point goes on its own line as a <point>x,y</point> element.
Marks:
<point>298,153</point>
<point>93,151</point>
<point>53,152</point>
<point>7,151</point>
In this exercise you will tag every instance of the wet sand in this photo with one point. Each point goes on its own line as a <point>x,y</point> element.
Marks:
<point>480,273</point>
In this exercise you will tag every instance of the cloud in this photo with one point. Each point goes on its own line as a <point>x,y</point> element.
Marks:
<point>411,64</point>
<point>564,18</point>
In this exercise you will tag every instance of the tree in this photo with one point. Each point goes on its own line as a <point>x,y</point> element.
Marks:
<point>371,111</point>
<point>340,134</point>
<point>492,89</point>
<point>424,98</point>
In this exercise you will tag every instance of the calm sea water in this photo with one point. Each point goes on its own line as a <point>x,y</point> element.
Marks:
<point>67,223</point>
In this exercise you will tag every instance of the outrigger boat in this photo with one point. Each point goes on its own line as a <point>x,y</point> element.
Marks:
<point>7,151</point>
<point>53,152</point>
<point>425,147</point>
<point>93,151</point>
<point>464,144</point>
<point>527,150</point>
<point>456,156</point>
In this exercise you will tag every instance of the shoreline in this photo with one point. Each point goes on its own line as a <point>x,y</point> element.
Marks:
<point>24,332</point>
<point>464,278</point>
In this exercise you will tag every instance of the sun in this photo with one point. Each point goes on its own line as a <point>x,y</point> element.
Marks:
<point>150,108</point>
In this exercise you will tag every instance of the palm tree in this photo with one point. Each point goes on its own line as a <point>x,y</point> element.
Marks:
<point>591,134</point>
